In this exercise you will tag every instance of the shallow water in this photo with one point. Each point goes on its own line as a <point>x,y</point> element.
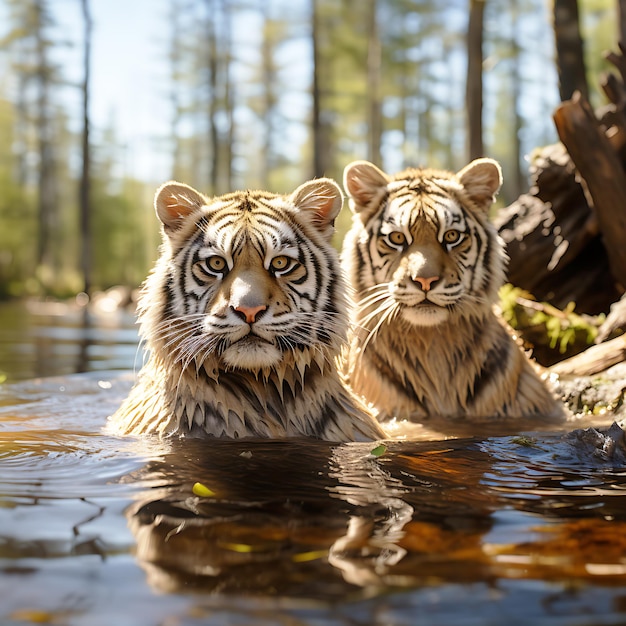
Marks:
<point>57,338</point>
<point>495,528</point>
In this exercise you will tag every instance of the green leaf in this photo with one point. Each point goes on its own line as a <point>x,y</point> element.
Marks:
<point>379,450</point>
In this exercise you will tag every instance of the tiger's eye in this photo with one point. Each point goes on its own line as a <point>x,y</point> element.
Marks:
<point>396,238</point>
<point>216,263</point>
<point>279,263</point>
<point>451,236</point>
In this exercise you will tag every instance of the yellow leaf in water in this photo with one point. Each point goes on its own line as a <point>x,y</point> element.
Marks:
<point>313,555</point>
<point>202,490</point>
<point>243,548</point>
<point>34,616</point>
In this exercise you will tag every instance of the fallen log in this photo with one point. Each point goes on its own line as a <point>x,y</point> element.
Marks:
<point>554,241</point>
<point>603,174</point>
<point>594,359</point>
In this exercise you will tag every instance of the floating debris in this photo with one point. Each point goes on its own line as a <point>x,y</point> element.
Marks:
<point>202,491</point>
<point>379,450</point>
<point>313,555</point>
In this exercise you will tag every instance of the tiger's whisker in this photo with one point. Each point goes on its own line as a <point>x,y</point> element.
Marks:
<point>388,314</point>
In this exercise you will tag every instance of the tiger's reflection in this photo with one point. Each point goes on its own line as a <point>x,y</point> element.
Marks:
<point>371,543</point>
<point>288,515</point>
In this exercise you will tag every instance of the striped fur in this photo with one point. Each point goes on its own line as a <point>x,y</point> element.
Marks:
<point>426,266</point>
<point>243,317</point>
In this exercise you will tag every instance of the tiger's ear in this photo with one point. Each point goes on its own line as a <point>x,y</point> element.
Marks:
<point>481,179</point>
<point>363,182</point>
<point>173,202</point>
<point>319,202</point>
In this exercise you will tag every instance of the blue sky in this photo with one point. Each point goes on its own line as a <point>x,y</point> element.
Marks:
<point>128,74</point>
<point>130,78</point>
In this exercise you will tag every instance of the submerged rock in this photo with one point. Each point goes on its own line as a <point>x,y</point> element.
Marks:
<point>606,445</point>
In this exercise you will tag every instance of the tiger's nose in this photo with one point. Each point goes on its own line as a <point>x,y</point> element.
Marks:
<point>250,313</point>
<point>426,283</point>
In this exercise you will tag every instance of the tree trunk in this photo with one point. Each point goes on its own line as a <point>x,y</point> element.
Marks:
<point>565,238</point>
<point>175,83</point>
<point>621,11</point>
<point>594,359</point>
<point>553,238</point>
<point>373,84</point>
<point>474,84</point>
<point>85,208</point>
<point>213,97</point>
<point>570,58</point>
<point>603,173</point>
<point>229,97</point>
<point>516,94</point>
<point>21,131</point>
<point>47,200</point>
<point>269,96</point>
<point>316,121</point>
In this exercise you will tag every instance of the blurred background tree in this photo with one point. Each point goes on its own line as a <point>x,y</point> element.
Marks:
<point>265,93</point>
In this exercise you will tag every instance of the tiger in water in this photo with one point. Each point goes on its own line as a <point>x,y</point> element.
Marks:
<point>426,266</point>
<point>243,316</point>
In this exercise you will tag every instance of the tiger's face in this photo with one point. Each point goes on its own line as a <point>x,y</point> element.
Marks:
<point>421,248</point>
<point>248,277</point>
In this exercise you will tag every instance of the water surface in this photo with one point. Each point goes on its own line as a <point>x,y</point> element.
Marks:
<point>495,527</point>
<point>57,338</point>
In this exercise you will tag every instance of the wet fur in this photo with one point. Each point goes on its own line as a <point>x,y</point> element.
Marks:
<point>413,359</point>
<point>207,373</point>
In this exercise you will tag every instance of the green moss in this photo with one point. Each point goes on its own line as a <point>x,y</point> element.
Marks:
<point>562,330</point>
<point>525,442</point>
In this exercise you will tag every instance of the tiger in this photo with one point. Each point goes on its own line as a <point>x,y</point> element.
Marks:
<point>243,317</point>
<point>426,266</point>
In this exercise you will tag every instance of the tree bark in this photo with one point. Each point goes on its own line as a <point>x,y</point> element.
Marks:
<point>570,58</point>
<point>373,82</point>
<point>176,68</point>
<point>47,192</point>
<point>553,238</point>
<point>516,93</point>
<point>85,208</point>
<point>621,11</point>
<point>213,65</point>
<point>603,173</point>
<point>269,96</point>
<point>474,81</point>
<point>594,359</point>
<point>316,121</point>
<point>229,97</point>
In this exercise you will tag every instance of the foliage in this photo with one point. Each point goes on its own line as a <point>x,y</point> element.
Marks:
<point>598,31</point>
<point>545,325</point>
<point>240,83</point>
<point>17,218</point>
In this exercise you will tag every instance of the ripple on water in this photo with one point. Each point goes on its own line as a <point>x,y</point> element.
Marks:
<point>498,524</point>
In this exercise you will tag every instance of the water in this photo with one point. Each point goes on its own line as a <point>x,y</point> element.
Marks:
<point>55,338</point>
<point>495,528</point>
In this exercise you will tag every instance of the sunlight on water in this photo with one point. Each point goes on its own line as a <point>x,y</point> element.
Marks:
<point>496,526</point>
<point>54,338</point>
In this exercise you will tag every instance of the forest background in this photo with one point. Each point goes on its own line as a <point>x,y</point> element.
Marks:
<point>230,94</point>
